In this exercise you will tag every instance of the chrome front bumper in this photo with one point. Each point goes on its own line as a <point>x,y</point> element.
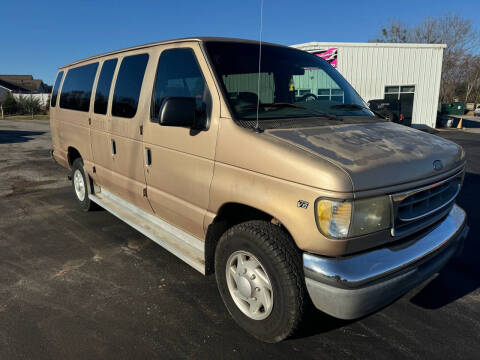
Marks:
<point>354,286</point>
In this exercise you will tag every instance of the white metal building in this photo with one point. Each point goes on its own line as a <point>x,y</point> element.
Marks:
<point>409,73</point>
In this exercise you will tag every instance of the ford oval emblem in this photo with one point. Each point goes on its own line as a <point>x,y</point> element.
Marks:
<point>437,165</point>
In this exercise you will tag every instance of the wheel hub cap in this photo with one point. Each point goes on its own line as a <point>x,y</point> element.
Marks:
<point>244,286</point>
<point>249,285</point>
<point>79,185</point>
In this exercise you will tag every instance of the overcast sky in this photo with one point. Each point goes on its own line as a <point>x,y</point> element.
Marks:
<point>39,36</point>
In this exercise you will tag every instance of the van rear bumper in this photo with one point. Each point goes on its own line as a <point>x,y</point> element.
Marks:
<point>354,286</point>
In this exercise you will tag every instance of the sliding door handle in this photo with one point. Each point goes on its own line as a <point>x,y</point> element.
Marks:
<point>114,147</point>
<point>148,157</point>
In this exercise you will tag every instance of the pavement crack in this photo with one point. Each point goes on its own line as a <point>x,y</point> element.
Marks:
<point>67,267</point>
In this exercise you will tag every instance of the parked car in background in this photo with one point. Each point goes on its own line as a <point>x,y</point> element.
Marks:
<point>476,112</point>
<point>285,198</point>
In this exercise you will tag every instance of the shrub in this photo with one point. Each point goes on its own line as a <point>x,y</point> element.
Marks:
<point>9,105</point>
<point>28,104</point>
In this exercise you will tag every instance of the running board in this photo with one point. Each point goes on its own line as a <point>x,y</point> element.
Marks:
<point>183,245</point>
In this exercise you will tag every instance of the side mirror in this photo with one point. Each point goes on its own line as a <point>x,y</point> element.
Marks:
<point>178,111</point>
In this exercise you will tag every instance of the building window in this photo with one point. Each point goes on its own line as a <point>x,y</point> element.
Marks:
<point>302,92</point>
<point>395,92</point>
<point>335,95</point>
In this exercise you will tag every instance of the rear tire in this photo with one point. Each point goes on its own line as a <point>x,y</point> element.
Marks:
<point>260,278</point>
<point>389,116</point>
<point>79,185</point>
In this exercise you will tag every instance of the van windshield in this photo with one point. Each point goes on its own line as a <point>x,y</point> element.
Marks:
<point>293,85</point>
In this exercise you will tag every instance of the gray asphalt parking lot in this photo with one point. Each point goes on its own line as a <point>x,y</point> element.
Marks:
<point>77,285</point>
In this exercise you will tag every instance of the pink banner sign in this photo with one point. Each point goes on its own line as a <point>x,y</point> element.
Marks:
<point>330,55</point>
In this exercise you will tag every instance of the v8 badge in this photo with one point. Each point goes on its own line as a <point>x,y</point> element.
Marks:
<point>302,204</point>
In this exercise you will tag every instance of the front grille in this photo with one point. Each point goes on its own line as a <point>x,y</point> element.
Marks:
<point>419,208</point>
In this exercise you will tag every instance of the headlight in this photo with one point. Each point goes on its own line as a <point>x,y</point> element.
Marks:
<point>333,217</point>
<point>342,219</point>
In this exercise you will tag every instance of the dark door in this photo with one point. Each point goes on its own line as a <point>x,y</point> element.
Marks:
<point>405,96</point>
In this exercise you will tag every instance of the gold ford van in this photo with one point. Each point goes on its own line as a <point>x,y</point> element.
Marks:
<point>278,179</point>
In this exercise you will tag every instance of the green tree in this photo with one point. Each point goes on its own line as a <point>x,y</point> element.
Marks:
<point>9,104</point>
<point>28,104</point>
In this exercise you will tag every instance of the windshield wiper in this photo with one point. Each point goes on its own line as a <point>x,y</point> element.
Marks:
<point>357,107</point>
<point>320,113</point>
<point>281,105</point>
<point>351,106</point>
<point>312,111</point>
<point>272,105</point>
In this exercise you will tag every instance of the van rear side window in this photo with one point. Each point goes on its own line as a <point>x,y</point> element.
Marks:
<point>77,87</point>
<point>103,86</point>
<point>128,85</point>
<point>53,100</point>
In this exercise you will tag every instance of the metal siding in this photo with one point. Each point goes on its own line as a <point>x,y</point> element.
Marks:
<point>371,67</point>
<point>315,80</point>
<point>249,83</point>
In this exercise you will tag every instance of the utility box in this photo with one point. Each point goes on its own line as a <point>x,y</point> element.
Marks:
<point>453,108</point>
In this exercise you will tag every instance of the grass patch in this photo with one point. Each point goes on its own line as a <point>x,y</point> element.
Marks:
<point>27,117</point>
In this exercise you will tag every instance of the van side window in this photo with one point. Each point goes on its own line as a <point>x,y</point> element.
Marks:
<point>53,100</point>
<point>77,87</point>
<point>179,75</point>
<point>103,86</point>
<point>128,85</point>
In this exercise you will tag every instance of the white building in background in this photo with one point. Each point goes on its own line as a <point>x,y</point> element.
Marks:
<point>409,73</point>
<point>24,86</point>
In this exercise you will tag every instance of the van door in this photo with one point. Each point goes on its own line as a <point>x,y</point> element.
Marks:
<point>53,119</point>
<point>73,111</point>
<point>125,147</point>
<point>179,160</point>
<point>100,124</point>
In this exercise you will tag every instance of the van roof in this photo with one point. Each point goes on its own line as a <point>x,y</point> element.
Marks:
<point>199,39</point>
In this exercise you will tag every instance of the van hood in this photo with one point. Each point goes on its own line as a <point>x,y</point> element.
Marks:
<point>377,155</point>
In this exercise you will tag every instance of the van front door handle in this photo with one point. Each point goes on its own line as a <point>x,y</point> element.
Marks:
<point>148,157</point>
<point>114,147</point>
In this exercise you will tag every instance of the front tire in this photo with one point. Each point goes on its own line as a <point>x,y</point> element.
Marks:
<point>260,279</point>
<point>79,184</point>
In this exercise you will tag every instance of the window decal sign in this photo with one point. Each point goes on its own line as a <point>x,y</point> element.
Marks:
<point>330,55</point>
